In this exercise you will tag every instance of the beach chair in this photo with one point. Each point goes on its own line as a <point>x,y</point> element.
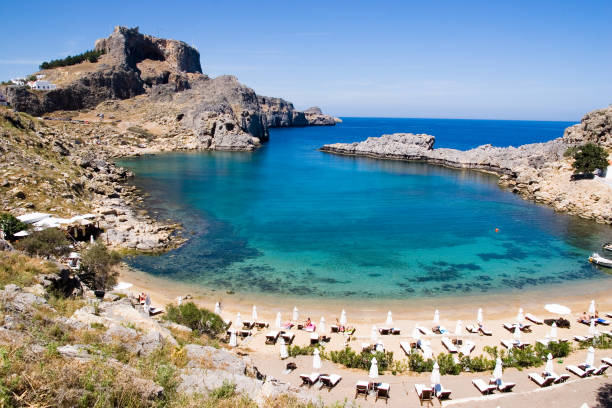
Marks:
<point>485,332</point>
<point>288,337</point>
<point>244,333</point>
<point>582,338</point>
<point>600,370</point>
<point>361,388</point>
<point>396,332</point>
<point>314,339</point>
<point>329,381</point>
<point>309,379</point>
<point>542,382</point>
<point>449,345</point>
<point>405,346</point>
<point>334,328</point>
<point>561,378</point>
<point>248,324</point>
<point>424,393</point>
<point>533,319</point>
<point>472,329</point>
<point>441,393</point>
<point>425,331</point>
<point>272,337</point>
<point>467,348</point>
<point>384,330</point>
<point>607,361</point>
<point>483,387</point>
<point>506,386</point>
<point>262,325</point>
<point>382,391</point>
<point>579,371</point>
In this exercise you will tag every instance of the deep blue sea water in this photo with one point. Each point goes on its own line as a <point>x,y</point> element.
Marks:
<point>290,220</point>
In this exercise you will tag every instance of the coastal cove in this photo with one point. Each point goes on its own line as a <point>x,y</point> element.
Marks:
<point>290,221</point>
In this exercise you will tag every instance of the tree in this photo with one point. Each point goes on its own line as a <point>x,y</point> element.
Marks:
<point>588,158</point>
<point>45,243</point>
<point>10,225</point>
<point>98,267</point>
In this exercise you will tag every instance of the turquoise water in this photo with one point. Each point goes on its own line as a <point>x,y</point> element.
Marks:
<point>290,220</point>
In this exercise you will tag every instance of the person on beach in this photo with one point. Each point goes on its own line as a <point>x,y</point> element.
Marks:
<point>341,328</point>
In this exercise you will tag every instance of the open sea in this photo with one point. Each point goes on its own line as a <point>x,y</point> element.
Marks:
<point>288,220</point>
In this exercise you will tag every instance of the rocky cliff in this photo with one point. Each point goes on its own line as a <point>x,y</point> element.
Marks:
<point>219,113</point>
<point>537,171</point>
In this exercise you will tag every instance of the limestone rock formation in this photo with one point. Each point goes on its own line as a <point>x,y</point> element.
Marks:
<point>595,127</point>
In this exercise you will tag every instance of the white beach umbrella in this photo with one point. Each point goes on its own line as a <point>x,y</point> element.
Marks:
<point>592,329</point>
<point>316,360</point>
<point>389,321</point>
<point>179,300</point>
<point>254,313</point>
<point>557,309</point>
<point>374,334</point>
<point>217,308</point>
<point>497,372</point>
<point>584,405</point>
<point>296,314</point>
<point>373,369</point>
<point>553,331</point>
<point>148,300</point>
<point>517,333</point>
<point>479,316</point>
<point>238,320</point>
<point>343,318</point>
<point>278,320</point>
<point>436,318</point>
<point>549,364</point>
<point>283,348</point>
<point>458,328</point>
<point>322,325</point>
<point>592,307</point>
<point>233,340</point>
<point>520,317</point>
<point>435,374</point>
<point>590,357</point>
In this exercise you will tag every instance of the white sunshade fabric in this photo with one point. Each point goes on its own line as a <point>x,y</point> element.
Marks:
<point>374,369</point>
<point>557,309</point>
<point>316,359</point>
<point>296,314</point>
<point>435,374</point>
<point>498,371</point>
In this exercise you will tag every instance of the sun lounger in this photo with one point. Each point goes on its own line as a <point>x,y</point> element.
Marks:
<point>314,339</point>
<point>542,382</point>
<point>329,381</point>
<point>472,329</point>
<point>583,338</point>
<point>288,337</point>
<point>405,346</point>
<point>396,332</point>
<point>561,378</point>
<point>449,345</point>
<point>599,371</point>
<point>425,331</point>
<point>424,393</point>
<point>262,325</point>
<point>467,348</point>
<point>533,319</point>
<point>579,371</point>
<point>248,324</point>
<point>506,386</point>
<point>511,327</point>
<point>361,388</point>
<point>513,344</point>
<point>608,314</point>
<point>485,331</point>
<point>607,361</point>
<point>382,391</point>
<point>272,337</point>
<point>440,392</point>
<point>309,379</point>
<point>483,387</point>
<point>244,333</point>
<point>384,330</point>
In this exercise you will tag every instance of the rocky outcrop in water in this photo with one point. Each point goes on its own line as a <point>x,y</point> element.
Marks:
<point>281,113</point>
<point>537,171</point>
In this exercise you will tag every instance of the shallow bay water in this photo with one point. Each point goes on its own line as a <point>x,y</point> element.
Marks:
<point>291,221</point>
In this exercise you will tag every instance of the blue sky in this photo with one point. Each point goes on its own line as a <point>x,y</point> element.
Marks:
<point>547,60</point>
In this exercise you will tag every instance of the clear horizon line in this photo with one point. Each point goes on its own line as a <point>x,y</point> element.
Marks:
<point>443,118</point>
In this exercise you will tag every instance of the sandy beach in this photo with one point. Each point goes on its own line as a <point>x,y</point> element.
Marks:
<point>497,310</point>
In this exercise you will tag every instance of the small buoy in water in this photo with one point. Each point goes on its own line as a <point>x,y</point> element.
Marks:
<point>496,229</point>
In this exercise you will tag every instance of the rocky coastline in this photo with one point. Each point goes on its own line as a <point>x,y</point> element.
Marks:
<point>539,172</point>
<point>145,95</point>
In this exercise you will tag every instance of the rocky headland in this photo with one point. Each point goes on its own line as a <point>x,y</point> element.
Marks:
<point>538,171</point>
<point>144,95</point>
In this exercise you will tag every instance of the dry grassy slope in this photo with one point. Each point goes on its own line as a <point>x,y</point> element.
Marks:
<point>33,172</point>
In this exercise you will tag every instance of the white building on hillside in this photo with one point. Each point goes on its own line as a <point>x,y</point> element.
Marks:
<point>42,85</point>
<point>18,81</point>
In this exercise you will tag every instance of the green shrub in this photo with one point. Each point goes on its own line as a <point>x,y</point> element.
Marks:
<point>351,359</point>
<point>447,364</point>
<point>602,342</point>
<point>198,319</point>
<point>295,350</point>
<point>588,158</point>
<point>11,225</point>
<point>418,364</point>
<point>91,56</point>
<point>98,266</point>
<point>225,391</point>
<point>45,243</point>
